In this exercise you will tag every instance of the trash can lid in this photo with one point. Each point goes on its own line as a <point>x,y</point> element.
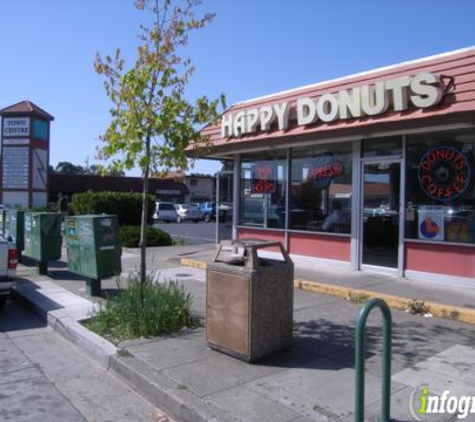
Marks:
<point>244,251</point>
<point>252,243</point>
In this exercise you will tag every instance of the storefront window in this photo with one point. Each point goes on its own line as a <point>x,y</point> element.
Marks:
<point>440,189</point>
<point>263,186</point>
<point>320,191</point>
<point>390,145</point>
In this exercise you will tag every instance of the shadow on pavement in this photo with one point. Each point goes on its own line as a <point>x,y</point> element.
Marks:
<point>412,341</point>
<point>28,262</point>
<point>294,357</point>
<point>15,318</point>
<point>31,293</point>
<point>64,275</point>
<point>330,340</point>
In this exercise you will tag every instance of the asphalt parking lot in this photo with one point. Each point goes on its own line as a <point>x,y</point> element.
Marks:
<point>196,233</point>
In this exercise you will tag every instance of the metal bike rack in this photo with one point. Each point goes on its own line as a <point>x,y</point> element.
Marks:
<point>360,360</point>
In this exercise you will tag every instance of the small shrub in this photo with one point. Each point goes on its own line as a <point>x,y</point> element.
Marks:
<point>48,208</point>
<point>130,237</point>
<point>166,309</point>
<point>126,205</point>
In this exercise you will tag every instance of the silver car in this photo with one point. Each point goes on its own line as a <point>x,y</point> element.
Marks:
<point>187,212</point>
<point>165,211</point>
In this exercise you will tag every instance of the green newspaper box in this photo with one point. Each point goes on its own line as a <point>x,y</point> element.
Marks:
<point>93,247</point>
<point>43,238</point>
<point>13,227</point>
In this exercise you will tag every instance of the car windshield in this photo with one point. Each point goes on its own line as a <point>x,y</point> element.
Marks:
<point>167,207</point>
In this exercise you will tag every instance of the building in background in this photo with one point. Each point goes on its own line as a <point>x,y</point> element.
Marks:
<point>201,188</point>
<point>167,190</point>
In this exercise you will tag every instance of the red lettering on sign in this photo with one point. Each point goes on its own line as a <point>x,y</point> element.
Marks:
<point>263,180</point>
<point>426,179</point>
<point>327,171</point>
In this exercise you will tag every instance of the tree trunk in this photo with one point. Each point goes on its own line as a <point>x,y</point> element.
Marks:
<point>143,226</point>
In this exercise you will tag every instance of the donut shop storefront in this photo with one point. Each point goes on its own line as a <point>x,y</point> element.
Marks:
<point>370,172</point>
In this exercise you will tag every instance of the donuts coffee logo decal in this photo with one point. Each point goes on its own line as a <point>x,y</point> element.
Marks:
<point>263,178</point>
<point>444,173</point>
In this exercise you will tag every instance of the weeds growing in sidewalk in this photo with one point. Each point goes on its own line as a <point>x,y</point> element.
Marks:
<point>418,307</point>
<point>166,309</point>
<point>358,298</point>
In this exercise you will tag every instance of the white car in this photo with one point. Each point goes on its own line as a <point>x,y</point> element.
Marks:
<point>187,212</point>
<point>165,211</point>
<point>8,264</point>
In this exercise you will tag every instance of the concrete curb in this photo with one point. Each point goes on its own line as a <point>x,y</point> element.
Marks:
<point>155,387</point>
<point>439,310</point>
<point>187,262</point>
<point>174,398</point>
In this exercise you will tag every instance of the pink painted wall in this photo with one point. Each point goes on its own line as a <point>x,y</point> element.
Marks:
<point>315,245</point>
<point>425,257</point>
<point>440,259</point>
<point>320,246</point>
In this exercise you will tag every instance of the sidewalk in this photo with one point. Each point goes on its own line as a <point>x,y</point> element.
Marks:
<point>454,302</point>
<point>312,381</point>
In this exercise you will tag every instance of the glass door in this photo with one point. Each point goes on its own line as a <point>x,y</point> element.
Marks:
<point>381,191</point>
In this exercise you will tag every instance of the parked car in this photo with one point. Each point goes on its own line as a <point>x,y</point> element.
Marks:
<point>208,211</point>
<point>165,211</point>
<point>8,264</point>
<point>187,212</point>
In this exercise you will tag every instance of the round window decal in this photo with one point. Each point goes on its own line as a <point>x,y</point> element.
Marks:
<point>444,173</point>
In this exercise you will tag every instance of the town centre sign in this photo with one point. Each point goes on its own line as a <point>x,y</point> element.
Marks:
<point>422,91</point>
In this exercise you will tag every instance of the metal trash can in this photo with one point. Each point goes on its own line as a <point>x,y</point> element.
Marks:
<point>249,300</point>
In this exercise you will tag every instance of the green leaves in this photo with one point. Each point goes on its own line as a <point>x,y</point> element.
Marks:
<point>148,97</point>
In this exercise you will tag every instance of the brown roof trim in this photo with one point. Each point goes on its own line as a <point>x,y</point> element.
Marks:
<point>25,107</point>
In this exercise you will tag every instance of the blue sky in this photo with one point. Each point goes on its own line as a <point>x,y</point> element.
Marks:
<point>253,48</point>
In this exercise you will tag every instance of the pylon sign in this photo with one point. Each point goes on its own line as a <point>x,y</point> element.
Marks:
<point>25,134</point>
